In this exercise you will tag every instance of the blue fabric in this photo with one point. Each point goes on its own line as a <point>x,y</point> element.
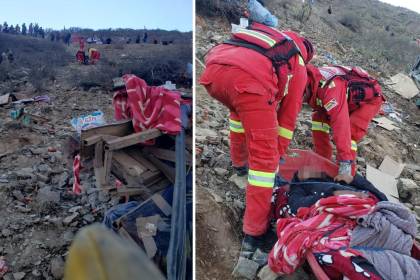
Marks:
<point>259,13</point>
<point>116,212</point>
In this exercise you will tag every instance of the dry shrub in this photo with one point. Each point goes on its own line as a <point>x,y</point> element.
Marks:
<point>351,21</point>
<point>38,57</point>
<point>230,9</point>
<point>160,65</point>
<point>100,75</point>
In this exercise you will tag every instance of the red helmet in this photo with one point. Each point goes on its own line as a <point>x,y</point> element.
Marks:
<point>305,46</point>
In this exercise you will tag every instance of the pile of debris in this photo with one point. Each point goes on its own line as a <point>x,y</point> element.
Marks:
<point>144,162</point>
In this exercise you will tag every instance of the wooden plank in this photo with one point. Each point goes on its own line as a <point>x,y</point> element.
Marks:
<point>131,166</point>
<point>168,155</point>
<point>107,164</point>
<point>92,140</point>
<point>119,129</point>
<point>132,139</point>
<point>144,192</point>
<point>135,153</point>
<point>168,171</point>
<point>98,161</point>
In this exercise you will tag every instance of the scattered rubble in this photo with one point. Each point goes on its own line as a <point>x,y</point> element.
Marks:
<point>398,146</point>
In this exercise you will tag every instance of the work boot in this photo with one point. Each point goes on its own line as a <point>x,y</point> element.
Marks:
<point>250,244</point>
<point>241,171</point>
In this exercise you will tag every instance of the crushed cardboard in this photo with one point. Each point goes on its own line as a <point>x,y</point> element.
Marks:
<point>385,123</point>
<point>404,86</point>
<point>385,182</point>
<point>391,167</point>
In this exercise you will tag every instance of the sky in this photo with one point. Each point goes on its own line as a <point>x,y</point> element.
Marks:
<point>409,4</point>
<point>100,14</point>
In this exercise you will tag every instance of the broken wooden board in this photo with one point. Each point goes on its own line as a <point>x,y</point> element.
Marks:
<point>391,167</point>
<point>167,170</point>
<point>132,139</point>
<point>144,193</point>
<point>168,155</point>
<point>385,123</point>
<point>384,182</point>
<point>119,129</point>
<point>129,164</point>
<point>403,85</point>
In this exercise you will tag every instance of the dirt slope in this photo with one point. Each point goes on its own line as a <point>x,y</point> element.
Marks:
<point>39,215</point>
<point>214,171</point>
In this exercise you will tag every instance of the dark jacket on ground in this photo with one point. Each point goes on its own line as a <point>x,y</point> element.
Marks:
<point>306,193</point>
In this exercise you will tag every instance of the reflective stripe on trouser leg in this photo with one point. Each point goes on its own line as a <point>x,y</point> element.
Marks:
<point>238,149</point>
<point>320,126</point>
<point>261,179</point>
<point>353,145</point>
<point>236,126</point>
<point>354,154</point>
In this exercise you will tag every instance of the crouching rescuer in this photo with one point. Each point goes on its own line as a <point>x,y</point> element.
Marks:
<point>260,75</point>
<point>345,100</point>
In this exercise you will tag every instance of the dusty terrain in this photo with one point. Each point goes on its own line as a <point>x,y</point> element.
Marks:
<point>220,193</point>
<point>39,215</point>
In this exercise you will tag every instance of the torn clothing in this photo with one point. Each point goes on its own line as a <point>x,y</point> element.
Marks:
<point>392,265</point>
<point>391,226</point>
<point>307,192</point>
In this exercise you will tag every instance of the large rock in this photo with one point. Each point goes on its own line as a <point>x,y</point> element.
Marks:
<point>46,195</point>
<point>409,191</point>
<point>239,181</point>
<point>245,268</point>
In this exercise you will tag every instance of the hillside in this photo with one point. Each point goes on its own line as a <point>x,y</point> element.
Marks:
<point>39,214</point>
<point>370,34</point>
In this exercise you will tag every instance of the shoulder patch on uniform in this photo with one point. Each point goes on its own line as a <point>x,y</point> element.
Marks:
<point>331,105</point>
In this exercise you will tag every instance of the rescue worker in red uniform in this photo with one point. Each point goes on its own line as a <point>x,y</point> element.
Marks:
<point>344,100</point>
<point>260,76</point>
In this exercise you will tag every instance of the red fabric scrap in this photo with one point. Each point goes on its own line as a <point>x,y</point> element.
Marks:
<point>77,188</point>
<point>148,106</point>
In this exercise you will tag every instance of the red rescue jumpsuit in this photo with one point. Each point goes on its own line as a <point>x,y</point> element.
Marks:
<point>349,122</point>
<point>261,126</point>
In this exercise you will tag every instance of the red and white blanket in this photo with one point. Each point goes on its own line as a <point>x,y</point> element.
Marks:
<point>326,225</point>
<point>148,106</point>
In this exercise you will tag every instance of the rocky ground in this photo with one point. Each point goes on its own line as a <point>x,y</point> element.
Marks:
<point>39,214</point>
<point>220,193</point>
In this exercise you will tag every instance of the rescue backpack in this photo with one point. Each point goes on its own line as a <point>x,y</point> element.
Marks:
<point>361,87</point>
<point>273,44</point>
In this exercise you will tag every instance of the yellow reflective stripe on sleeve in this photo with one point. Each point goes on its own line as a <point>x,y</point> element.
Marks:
<point>261,179</point>
<point>320,126</point>
<point>236,126</point>
<point>322,83</point>
<point>258,35</point>
<point>301,61</point>
<point>354,145</point>
<point>286,88</point>
<point>331,85</point>
<point>286,133</point>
